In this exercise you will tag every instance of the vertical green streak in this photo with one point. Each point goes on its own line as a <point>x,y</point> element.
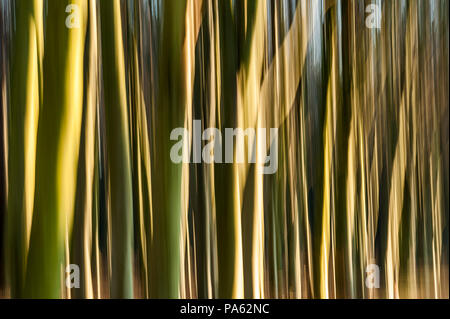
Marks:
<point>16,233</point>
<point>164,260</point>
<point>118,148</point>
<point>138,135</point>
<point>223,173</point>
<point>23,76</point>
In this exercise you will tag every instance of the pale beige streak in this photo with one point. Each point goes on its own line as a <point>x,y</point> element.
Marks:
<point>192,27</point>
<point>91,111</point>
<point>248,116</point>
<point>287,75</point>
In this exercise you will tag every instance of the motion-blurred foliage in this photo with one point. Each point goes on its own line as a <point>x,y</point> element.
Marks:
<point>363,148</point>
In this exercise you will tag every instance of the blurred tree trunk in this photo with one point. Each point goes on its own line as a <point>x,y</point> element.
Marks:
<point>83,228</point>
<point>23,114</point>
<point>118,150</point>
<point>170,113</point>
<point>58,140</point>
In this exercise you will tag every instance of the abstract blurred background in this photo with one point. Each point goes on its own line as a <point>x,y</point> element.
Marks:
<point>90,91</point>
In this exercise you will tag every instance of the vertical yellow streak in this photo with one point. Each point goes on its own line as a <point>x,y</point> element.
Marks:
<point>325,240</point>
<point>328,180</point>
<point>142,231</point>
<point>365,255</point>
<point>215,121</point>
<point>437,227</point>
<point>327,184</point>
<point>214,78</point>
<point>39,24</point>
<point>71,121</point>
<point>218,66</point>
<point>192,27</point>
<point>31,121</point>
<point>395,208</point>
<point>285,72</point>
<point>248,116</point>
<point>91,111</point>
<point>258,222</point>
<point>143,159</point>
<point>147,167</point>
<point>69,142</point>
<point>351,203</point>
<point>305,196</point>
<point>238,281</point>
<point>400,160</point>
<point>297,257</point>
